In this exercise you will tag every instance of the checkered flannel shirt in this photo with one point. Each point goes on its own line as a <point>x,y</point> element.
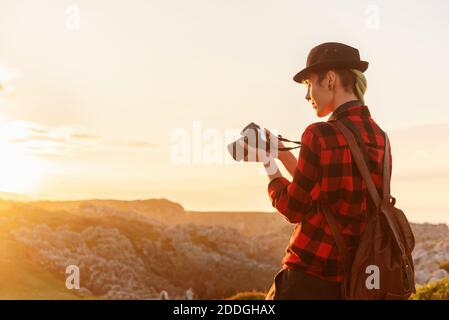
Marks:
<point>326,172</point>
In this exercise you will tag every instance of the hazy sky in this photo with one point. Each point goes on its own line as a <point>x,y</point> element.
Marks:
<point>97,93</point>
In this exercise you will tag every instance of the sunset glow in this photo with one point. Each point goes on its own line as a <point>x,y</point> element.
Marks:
<point>89,106</point>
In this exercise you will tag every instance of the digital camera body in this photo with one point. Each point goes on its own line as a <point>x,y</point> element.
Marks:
<point>253,146</point>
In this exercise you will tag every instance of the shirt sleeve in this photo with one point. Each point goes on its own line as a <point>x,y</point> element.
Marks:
<point>294,199</point>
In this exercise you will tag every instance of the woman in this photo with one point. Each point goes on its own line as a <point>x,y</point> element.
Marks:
<point>324,172</point>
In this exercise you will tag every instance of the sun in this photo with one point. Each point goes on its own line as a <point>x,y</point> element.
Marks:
<point>19,172</point>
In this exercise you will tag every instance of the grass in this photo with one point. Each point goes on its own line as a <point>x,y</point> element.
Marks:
<point>26,281</point>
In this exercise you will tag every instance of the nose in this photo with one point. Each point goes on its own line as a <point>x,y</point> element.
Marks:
<point>308,94</point>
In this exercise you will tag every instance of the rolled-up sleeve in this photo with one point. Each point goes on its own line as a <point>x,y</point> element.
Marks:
<point>294,199</point>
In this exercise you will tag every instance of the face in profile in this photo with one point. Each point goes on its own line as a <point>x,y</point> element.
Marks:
<point>320,93</point>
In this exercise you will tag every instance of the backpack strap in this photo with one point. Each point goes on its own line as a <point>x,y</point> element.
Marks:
<point>361,164</point>
<point>388,197</point>
<point>338,238</point>
<point>366,175</point>
<point>358,137</point>
<point>387,173</point>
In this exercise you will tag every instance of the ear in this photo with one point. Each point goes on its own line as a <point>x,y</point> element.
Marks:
<point>331,79</point>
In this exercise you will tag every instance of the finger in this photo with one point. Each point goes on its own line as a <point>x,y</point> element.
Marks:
<point>269,133</point>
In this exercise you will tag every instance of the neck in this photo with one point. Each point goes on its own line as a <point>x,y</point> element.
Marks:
<point>343,98</point>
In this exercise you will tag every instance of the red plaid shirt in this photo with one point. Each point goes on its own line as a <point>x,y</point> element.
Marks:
<point>326,172</point>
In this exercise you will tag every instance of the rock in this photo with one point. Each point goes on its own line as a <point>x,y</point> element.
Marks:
<point>419,256</point>
<point>164,295</point>
<point>432,248</point>
<point>439,274</point>
<point>427,231</point>
<point>440,256</point>
<point>84,292</point>
<point>442,246</point>
<point>189,294</point>
<point>421,277</point>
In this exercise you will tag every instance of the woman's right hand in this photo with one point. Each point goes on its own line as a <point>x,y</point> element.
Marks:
<point>287,157</point>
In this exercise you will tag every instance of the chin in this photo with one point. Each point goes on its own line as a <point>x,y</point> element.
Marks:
<point>319,114</point>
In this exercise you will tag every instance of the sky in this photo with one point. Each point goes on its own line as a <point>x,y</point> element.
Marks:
<point>99,99</point>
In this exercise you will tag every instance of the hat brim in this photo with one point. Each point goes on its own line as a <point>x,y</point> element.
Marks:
<point>359,65</point>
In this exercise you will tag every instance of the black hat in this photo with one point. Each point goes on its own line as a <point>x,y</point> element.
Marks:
<point>331,55</point>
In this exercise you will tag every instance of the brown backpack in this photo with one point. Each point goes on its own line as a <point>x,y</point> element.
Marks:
<point>382,267</point>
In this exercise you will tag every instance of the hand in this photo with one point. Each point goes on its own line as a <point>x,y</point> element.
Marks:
<point>274,141</point>
<point>261,154</point>
<point>272,169</point>
<point>287,158</point>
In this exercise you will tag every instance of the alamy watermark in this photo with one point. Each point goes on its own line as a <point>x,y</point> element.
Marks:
<point>372,19</point>
<point>210,146</point>
<point>373,279</point>
<point>73,277</point>
<point>73,17</point>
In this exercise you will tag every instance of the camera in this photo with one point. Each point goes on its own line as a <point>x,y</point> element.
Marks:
<point>253,146</point>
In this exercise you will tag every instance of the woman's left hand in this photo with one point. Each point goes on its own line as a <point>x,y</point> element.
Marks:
<point>274,141</point>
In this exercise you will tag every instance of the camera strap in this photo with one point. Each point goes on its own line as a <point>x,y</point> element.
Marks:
<point>287,140</point>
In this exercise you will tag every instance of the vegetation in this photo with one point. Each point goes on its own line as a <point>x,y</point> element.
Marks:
<point>436,290</point>
<point>252,295</point>
<point>127,252</point>
<point>444,265</point>
<point>138,249</point>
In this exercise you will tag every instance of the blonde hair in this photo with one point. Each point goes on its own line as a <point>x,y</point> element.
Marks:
<point>360,84</point>
<point>350,79</point>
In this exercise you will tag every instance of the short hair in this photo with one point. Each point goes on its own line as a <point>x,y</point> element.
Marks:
<point>347,78</point>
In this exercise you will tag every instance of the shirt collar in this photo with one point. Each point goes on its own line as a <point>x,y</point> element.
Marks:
<point>350,108</point>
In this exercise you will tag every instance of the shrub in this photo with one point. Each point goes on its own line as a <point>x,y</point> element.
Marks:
<point>444,265</point>
<point>436,290</point>
<point>253,295</point>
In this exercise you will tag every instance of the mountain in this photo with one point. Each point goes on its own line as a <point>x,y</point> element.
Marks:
<point>14,196</point>
<point>138,249</point>
<point>130,250</point>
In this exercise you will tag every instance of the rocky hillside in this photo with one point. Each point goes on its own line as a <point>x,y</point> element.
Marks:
<point>127,250</point>
<point>138,249</point>
<point>431,254</point>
